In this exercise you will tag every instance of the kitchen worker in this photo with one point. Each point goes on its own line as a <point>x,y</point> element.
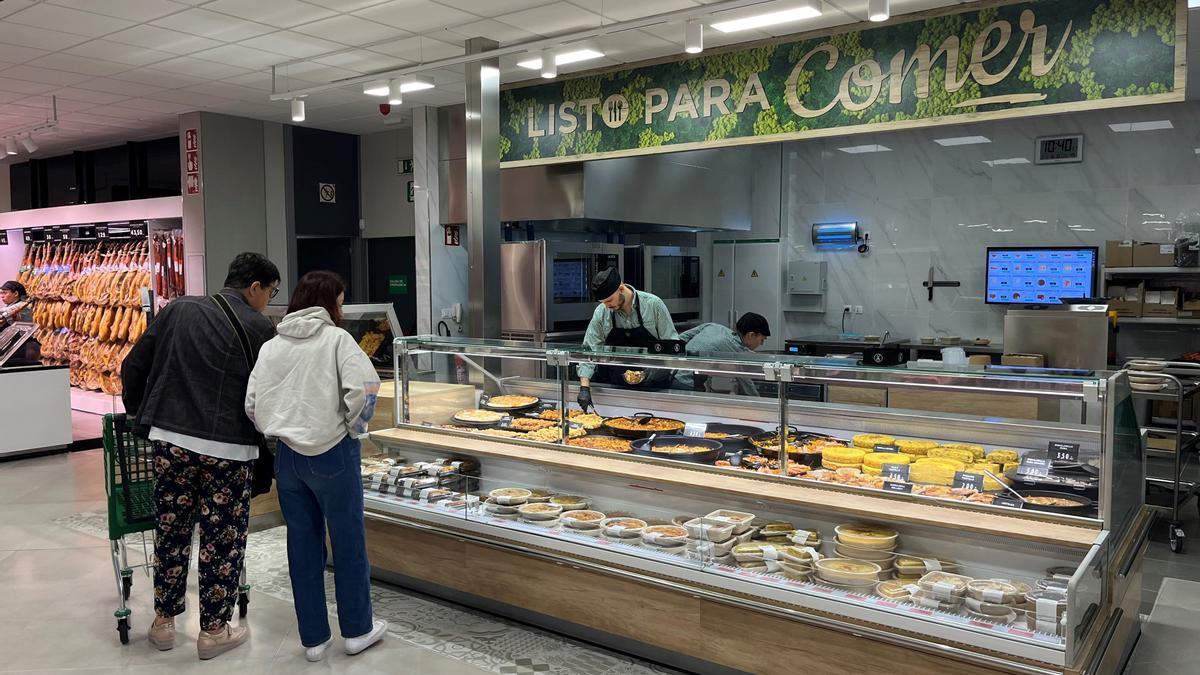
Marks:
<point>625,317</point>
<point>713,338</point>
<point>14,304</point>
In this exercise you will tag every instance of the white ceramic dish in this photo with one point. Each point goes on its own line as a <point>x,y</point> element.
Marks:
<point>571,519</point>
<point>539,511</point>
<point>510,496</point>
<point>614,527</point>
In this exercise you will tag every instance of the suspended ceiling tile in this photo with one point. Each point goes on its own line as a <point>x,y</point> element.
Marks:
<point>229,91</point>
<point>10,97</point>
<point>79,64</point>
<point>625,10</point>
<point>245,57</point>
<point>106,96</point>
<point>350,30</point>
<point>54,17</point>
<point>156,106</point>
<point>194,67</point>
<point>163,39</point>
<point>119,53</point>
<point>119,112</point>
<point>281,13</point>
<point>311,70</point>
<point>159,78</point>
<point>560,17</point>
<point>23,86</point>
<point>294,45</point>
<point>418,49</point>
<point>493,30</point>
<point>363,61</point>
<point>13,6</point>
<point>133,10</point>
<point>351,5</point>
<point>638,45</point>
<point>192,99</point>
<point>38,38</point>
<point>212,25</point>
<point>416,16</point>
<point>119,87</point>
<point>59,78</point>
<point>66,104</point>
<point>17,54</point>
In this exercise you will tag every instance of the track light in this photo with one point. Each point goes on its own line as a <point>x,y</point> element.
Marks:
<point>549,64</point>
<point>878,10</point>
<point>29,145</point>
<point>395,97</point>
<point>693,37</point>
<point>10,145</point>
<point>297,110</point>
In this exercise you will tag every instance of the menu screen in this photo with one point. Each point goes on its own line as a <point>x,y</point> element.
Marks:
<point>1035,276</point>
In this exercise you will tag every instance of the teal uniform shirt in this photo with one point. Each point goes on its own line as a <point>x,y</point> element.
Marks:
<point>654,313</point>
<point>713,338</point>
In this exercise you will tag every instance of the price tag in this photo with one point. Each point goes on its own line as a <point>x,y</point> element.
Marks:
<point>695,429</point>
<point>903,488</point>
<point>506,420</point>
<point>426,424</point>
<point>1010,502</point>
<point>483,399</point>
<point>102,232</point>
<point>3,237</point>
<point>27,235</point>
<point>549,406</point>
<point>885,447</point>
<point>64,233</point>
<point>1034,466</point>
<point>137,229</point>
<point>895,472</point>
<point>574,425</point>
<point>966,479</point>
<point>1063,452</point>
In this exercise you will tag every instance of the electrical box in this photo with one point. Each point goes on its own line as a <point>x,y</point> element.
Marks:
<point>806,277</point>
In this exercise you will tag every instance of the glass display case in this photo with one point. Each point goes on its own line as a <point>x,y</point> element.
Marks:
<point>1006,539</point>
<point>374,326</point>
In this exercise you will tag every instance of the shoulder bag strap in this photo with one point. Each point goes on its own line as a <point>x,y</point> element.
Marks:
<point>243,338</point>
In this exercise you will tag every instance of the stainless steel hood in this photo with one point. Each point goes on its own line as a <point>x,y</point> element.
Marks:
<point>690,191</point>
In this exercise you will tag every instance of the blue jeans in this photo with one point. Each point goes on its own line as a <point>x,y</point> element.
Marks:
<point>314,491</point>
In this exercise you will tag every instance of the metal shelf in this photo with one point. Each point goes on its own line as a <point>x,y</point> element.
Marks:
<point>1130,271</point>
<point>1159,320</point>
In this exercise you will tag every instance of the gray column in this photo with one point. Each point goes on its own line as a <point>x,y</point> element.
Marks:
<point>483,190</point>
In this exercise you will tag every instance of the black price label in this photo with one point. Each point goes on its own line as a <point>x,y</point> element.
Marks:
<point>549,406</point>
<point>1034,466</point>
<point>102,232</point>
<point>966,479</point>
<point>1063,452</point>
<point>574,425</point>
<point>484,398</point>
<point>903,488</point>
<point>895,472</point>
<point>885,447</point>
<point>3,237</point>
<point>27,235</point>
<point>1010,502</point>
<point>137,229</point>
<point>36,234</point>
<point>426,424</point>
<point>506,420</point>
<point>64,233</point>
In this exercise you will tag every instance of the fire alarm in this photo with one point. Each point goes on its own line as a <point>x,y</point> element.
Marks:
<point>385,108</point>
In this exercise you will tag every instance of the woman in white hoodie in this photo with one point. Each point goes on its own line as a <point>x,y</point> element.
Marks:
<point>314,390</point>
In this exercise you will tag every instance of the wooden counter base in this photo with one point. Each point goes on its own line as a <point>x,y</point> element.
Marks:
<point>678,622</point>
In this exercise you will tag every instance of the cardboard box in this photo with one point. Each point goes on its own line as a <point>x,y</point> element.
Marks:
<point>1118,253</point>
<point>979,360</point>
<point>1027,360</point>
<point>1153,255</point>
<point>1126,300</point>
<point>1157,440</point>
<point>1161,303</point>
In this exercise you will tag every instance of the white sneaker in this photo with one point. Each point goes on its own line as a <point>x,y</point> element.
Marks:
<point>317,653</point>
<point>355,645</point>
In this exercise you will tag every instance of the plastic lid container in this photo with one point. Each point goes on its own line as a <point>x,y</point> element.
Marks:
<point>893,589</point>
<point>709,529</point>
<point>740,520</point>
<point>510,496</point>
<point>711,548</point>
<point>919,566</point>
<point>992,591</point>
<point>846,571</point>
<point>867,536</point>
<point>944,585</point>
<point>923,598</point>
<point>539,511</point>
<point>623,528</point>
<point>582,519</point>
<point>551,522</point>
<point>873,554</point>
<point>665,535</point>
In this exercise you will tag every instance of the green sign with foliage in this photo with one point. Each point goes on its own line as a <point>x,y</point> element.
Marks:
<point>1004,60</point>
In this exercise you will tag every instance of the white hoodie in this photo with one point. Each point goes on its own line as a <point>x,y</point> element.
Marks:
<point>312,384</point>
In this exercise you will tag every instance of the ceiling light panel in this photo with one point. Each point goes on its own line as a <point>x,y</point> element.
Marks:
<point>563,58</point>
<point>1152,125</point>
<point>962,140</point>
<point>806,9</point>
<point>860,149</point>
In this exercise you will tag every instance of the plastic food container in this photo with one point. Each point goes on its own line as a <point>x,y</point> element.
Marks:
<point>570,502</point>
<point>992,591</point>
<point>1053,584</point>
<point>776,528</point>
<point>510,496</point>
<point>894,590</point>
<point>989,608</point>
<point>845,571</point>
<point>805,538</point>
<point>496,509</point>
<point>1006,617</point>
<point>664,535</point>
<point>623,528</point>
<point>746,536</point>
<point>709,529</point>
<point>539,511</point>
<point>867,536</point>
<point>582,520</point>
<point>794,571</point>
<point>911,564</point>
<point>930,600</point>
<point>944,585</point>
<point>545,522</point>
<point>873,554</point>
<point>1045,610</point>
<point>710,548</point>
<point>740,520</point>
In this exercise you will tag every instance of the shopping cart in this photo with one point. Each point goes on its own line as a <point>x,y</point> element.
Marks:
<point>129,483</point>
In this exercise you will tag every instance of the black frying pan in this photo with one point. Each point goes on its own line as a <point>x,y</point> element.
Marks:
<point>740,434</point>
<point>707,449</point>
<point>640,430</point>
<point>1084,507</point>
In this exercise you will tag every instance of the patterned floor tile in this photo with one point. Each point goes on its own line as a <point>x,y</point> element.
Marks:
<point>482,640</point>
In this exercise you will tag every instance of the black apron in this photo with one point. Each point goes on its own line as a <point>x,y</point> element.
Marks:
<point>637,337</point>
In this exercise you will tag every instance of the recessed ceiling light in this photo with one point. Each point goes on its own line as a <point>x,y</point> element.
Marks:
<point>1006,160</point>
<point>563,58</point>
<point>806,9</point>
<point>962,140</point>
<point>859,149</point>
<point>1152,125</point>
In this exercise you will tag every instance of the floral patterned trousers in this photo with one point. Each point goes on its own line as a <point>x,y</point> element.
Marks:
<point>191,489</point>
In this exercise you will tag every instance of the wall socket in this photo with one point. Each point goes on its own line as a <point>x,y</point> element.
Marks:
<point>847,309</point>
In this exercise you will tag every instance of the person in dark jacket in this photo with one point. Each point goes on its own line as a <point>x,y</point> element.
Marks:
<point>184,383</point>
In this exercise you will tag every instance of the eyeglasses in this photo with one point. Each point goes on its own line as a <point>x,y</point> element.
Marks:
<point>274,291</point>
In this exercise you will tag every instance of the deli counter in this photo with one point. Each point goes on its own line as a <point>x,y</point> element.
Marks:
<point>721,533</point>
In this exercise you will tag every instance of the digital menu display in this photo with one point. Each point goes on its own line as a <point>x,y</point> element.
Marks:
<point>1036,276</point>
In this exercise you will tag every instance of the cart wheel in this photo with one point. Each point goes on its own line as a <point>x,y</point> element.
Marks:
<point>123,629</point>
<point>243,604</point>
<point>1177,539</point>
<point>126,586</point>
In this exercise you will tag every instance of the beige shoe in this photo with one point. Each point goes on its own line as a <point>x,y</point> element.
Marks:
<point>162,636</point>
<point>209,645</point>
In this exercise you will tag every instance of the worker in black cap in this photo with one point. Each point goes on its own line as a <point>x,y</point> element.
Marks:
<point>14,304</point>
<point>713,338</point>
<point>625,317</point>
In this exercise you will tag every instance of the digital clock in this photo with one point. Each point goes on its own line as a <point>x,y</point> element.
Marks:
<point>1059,149</point>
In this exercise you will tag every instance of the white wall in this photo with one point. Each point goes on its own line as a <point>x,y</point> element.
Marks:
<point>386,211</point>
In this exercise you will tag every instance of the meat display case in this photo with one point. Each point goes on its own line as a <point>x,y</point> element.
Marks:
<point>985,584</point>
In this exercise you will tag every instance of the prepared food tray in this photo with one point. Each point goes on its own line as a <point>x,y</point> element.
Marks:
<point>478,417</point>
<point>511,402</point>
<point>605,443</point>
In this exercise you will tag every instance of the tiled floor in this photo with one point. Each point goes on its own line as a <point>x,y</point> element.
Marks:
<point>86,429</point>
<point>59,596</point>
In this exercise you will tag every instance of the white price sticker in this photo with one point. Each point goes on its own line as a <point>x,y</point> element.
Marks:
<point>932,564</point>
<point>943,590</point>
<point>695,429</point>
<point>770,553</point>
